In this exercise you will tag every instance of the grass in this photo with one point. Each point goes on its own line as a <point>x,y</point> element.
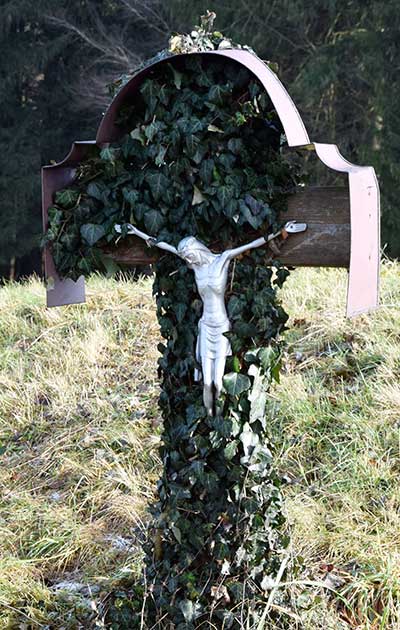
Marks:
<point>336,415</point>
<point>77,402</point>
<point>78,452</point>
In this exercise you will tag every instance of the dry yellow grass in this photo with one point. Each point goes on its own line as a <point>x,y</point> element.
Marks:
<point>336,419</point>
<point>78,444</point>
<point>77,405</point>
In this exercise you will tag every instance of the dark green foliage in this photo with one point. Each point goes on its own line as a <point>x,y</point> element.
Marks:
<point>204,159</point>
<point>186,164</point>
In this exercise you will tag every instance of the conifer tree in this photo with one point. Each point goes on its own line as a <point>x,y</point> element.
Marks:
<point>48,53</point>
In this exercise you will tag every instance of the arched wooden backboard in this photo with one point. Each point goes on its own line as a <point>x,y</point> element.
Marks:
<point>363,187</point>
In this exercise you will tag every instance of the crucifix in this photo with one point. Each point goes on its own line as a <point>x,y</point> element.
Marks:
<point>343,223</point>
<point>211,276</point>
<point>343,227</point>
<point>336,227</point>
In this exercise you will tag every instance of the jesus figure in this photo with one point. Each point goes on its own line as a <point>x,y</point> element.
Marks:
<point>211,276</point>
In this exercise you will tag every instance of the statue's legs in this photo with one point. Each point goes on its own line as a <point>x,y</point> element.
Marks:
<point>208,394</point>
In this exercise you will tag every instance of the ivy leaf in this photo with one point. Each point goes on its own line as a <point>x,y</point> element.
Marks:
<point>250,441</point>
<point>236,364</point>
<point>70,240</point>
<point>158,184</point>
<point>149,91</point>
<point>191,142</point>
<point>206,171</point>
<point>247,215</point>
<point>108,154</point>
<point>281,275</point>
<point>230,208</point>
<point>199,154</point>
<point>267,357</point>
<point>235,145</point>
<point>190,610</point>
<point>160,157</point>
<point>130,195</point>
<point>231,449</point>
<point>67,197</point>
<point>163,95</point>
<point>276,371</point>
<point>84,265</point>
<point>224,194</point>
<point>154,221</point>
<point>227,160</point>
<point>196,125</point>
<point>55,216</point>
<point>180,311</point>
<point>253,204</point>
<point>152,129</point>
<point>177,76</point>
<point>92,232</point>
<point>223,427</point>
<point>235,384</point>
<point>257,396</point>
<point>177,533</point>
<point>244,329</point>
<point>139,210</point>
<point>235,306</point>
<point>110,266</point>
<point>97,190</point>
<point>137,134</point>
<point>215,94</point>
<point>251,355</point>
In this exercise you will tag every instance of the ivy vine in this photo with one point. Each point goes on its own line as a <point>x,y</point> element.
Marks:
<point>203,157</point>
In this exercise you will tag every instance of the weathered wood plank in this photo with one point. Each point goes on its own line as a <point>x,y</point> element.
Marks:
<point>326,241</point>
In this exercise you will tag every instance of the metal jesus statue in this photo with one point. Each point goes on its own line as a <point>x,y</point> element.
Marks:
<point>211,276</point>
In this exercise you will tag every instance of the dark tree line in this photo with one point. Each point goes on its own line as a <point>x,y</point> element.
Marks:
<point>338,59</point>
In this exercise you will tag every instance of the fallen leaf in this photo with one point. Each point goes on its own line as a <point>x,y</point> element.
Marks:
<point>214,129</point>
<point>220,593</point>
<point>198,196</point>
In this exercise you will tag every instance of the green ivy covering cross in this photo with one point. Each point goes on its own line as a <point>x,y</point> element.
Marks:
<point>203,157</point>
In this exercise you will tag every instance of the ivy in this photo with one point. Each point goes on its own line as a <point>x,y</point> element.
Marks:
<point>202,156</point>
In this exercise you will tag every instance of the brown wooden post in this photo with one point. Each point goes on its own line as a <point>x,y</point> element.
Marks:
<point>325,243</point>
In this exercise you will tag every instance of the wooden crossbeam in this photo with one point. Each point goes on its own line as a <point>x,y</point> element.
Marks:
<point>325,243</point>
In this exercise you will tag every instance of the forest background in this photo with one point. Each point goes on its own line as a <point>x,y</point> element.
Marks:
<point>339,60</point>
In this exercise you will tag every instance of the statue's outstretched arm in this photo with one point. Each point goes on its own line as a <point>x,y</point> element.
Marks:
<point>150,240</point>
<point>291,228</point>
<point>232,253</point>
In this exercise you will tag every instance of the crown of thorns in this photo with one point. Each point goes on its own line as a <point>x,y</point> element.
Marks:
<point>191,242</point>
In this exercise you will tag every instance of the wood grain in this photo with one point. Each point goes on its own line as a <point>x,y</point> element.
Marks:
<point>325,243</point>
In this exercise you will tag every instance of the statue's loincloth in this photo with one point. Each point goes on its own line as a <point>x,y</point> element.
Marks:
<point>211,342</point>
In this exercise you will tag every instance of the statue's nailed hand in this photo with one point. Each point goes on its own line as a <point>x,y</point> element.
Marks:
<point>128,228</point>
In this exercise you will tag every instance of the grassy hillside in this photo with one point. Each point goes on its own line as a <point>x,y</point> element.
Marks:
<point>78,453</point>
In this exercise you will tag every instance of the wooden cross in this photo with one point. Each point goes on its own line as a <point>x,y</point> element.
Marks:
<point>343,223</point>
<point>342,231</point>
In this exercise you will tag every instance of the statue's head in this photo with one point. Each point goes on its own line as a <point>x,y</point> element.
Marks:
<point>194,252</point>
